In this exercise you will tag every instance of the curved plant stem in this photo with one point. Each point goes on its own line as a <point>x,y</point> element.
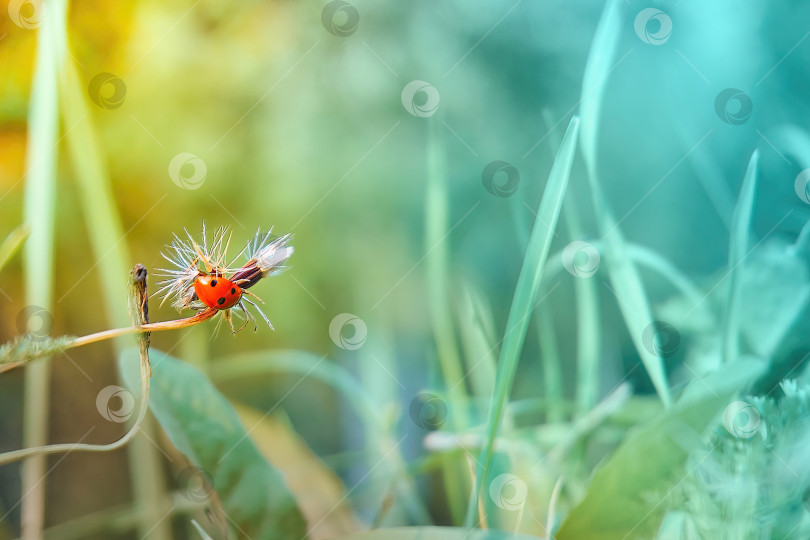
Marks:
<point>17,455</point>
<point>139,329</point>
<point>146,372</point>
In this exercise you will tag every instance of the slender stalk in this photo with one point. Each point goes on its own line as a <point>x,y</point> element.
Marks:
<point>38,212</point>
<point>142,328</point>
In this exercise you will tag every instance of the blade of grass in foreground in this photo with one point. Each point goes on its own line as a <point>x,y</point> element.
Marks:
<point>38,212</point>
<point>740,225</point>
<point>444,332</point>
<point>624,277</point>
<point>523,304</point>
<point>589,332</point>
<point>13,243</point>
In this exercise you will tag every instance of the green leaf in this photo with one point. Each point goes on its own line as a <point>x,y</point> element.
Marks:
<point>204,426</point>
<point>628,495</point>
<point>433,533</point>
<point>13,243</point>
<point>738,249</point>
<point>623,274</point>
<point>524,302</point>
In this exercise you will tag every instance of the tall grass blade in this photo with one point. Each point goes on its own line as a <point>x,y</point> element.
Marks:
<point>738,246</point>
<point>622,271</point>
<point>478,341</point>
<point>523,303</point>
<point>552,365</point>
<point>38,267</point>
<point>436,231</point>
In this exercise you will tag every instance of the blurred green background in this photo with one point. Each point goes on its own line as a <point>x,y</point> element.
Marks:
<point>304,116</point>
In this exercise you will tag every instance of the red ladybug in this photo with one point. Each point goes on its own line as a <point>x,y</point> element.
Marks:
<point>217,292</point>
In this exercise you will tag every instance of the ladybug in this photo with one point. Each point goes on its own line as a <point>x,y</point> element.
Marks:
<point>217,292</point>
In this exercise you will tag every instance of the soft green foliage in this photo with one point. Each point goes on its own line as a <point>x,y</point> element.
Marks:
<point>697,222</point>
<point>204,426</point>
<point>433,533</point>
<point>524,303</point>
<point>630,492</point>
<point>746,486</point>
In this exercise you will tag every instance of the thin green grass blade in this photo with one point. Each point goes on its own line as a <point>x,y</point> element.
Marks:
<point>436,230</point>
<point>38,259</point>
<point>630,295</point>
<point>12,244</point>
<point>523,303</point>
<point>624,277</point>
<point>598,68</point>
<point>477,340</point>
<point>552,365</point>
<point>738,246</point>
<point>589,332</point>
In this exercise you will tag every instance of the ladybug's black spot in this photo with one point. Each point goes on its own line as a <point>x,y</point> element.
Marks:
<point>221,300</point>
<point>233,290</point>
<point>213,283</point>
